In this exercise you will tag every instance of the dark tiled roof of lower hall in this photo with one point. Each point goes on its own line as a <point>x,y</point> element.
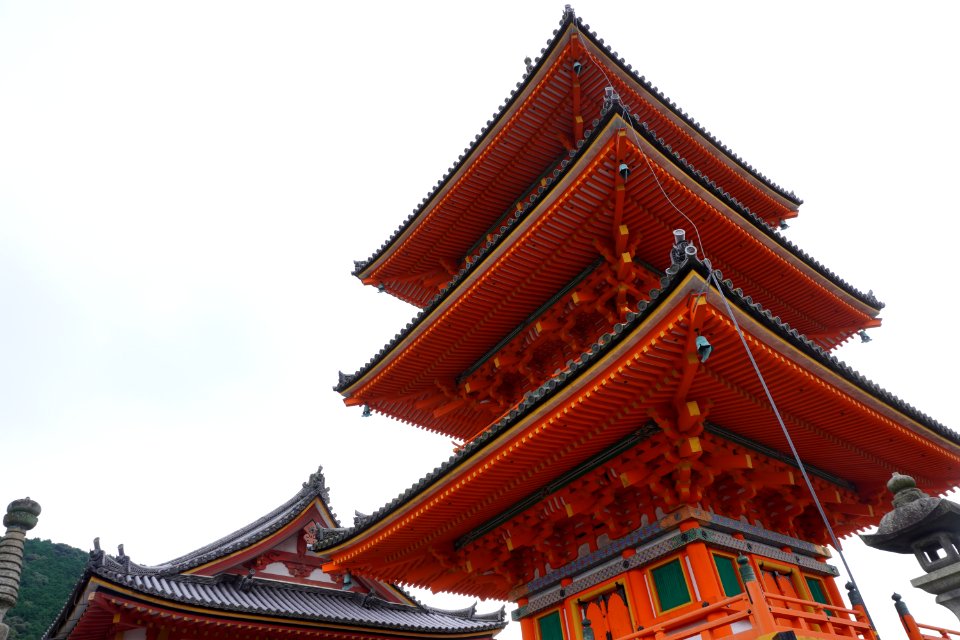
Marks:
<point>238,594</point>
<point>568,18</point>
<point>315,487</point>
<point>614,110</point>
<point>675,275</point>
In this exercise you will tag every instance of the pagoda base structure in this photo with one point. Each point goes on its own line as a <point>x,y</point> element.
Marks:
<point>692,574</point>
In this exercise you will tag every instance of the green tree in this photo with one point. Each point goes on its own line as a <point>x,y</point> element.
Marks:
<point>50,571</point>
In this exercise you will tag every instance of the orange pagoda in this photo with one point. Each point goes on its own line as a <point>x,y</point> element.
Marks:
<point>597,276</point>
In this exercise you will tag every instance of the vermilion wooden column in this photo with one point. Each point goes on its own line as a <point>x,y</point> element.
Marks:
<point>527,630</point>
<point>638,593</point>
<point>906,619</point>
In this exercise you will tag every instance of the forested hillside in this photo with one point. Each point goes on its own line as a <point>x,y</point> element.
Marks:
<point>50,571</point>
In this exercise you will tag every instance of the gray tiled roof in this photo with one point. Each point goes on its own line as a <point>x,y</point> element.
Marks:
<point>568,17</point>
<point>233,593</point>
<point>613,110</point>
<point>313,488</point>
<point>674,276</point>
<point>301,602</point>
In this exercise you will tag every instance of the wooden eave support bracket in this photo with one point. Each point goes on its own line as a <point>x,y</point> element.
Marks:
<point>449,407</point>
<point>619,184</point>
<point>691,362</point>
<point>851,509</point>
<point>774,478</point>
<point>576,48</point>
<point>332,568</point>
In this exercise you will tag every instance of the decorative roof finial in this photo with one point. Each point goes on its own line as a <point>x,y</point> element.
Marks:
<point>611,99</point>
<point>678,252</point>
<point>122,556</point>
<point>96,554</point>
<point>21,516</point>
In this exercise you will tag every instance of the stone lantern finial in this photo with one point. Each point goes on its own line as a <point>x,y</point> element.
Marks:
<point>21,516</point>
<point>904,490</point>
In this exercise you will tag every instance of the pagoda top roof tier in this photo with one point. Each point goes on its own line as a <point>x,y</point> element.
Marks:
<point>526,139</point>
<point>557,231</point>
<point>843,424</point>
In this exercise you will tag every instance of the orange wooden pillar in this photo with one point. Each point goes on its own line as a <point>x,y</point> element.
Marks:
<point>700,561</point>
<point>708,583</point>
<point>763,620</point>
<point>831,584</point>
<point>639,594</point>
<point>909,624</point>
<point>856,601</point>
<point>527,629</point>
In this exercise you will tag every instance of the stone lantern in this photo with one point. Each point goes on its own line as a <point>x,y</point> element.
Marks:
<point>21,517</point>
<point>929,528</point>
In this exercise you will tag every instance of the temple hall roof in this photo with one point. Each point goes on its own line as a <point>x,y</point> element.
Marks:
<point>229,593</point>
<point>116,582</point>
<point>314,488</point>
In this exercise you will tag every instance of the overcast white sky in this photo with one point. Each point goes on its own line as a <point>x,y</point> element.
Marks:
<point>184,187</point>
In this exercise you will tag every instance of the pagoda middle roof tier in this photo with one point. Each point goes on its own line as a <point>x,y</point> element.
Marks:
<point>841,423</point>
<point>535,128</point>
<point>541,248</point>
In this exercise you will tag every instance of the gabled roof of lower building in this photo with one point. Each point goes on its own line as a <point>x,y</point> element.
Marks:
<point>171,585</point>
<point>314,488</point>
<point>235,594</point>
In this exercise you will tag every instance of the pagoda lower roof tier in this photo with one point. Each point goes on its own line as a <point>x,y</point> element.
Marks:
<point>582,216</point>
<point>848,429</point>
<point>537,126</point>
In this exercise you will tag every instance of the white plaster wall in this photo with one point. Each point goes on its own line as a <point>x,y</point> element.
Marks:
<point>277,569</point>
<point>319,576</point>
<point>289,545</point>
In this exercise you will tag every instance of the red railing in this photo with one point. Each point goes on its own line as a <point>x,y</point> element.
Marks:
<point>943,634</point>
<point>703,621</point>
<point>820,619</point>
<point>812,618</point>
<point>915,630</point>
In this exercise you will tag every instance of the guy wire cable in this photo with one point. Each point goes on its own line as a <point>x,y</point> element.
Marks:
<point>786,433</point>
<point>746,346</point>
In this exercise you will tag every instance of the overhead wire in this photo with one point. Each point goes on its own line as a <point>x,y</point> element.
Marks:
<point>712,275</point>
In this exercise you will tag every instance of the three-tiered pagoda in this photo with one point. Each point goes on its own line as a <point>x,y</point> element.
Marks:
<point>596,277</point>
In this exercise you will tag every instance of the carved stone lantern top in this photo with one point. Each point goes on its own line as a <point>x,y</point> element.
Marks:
<point>927,527</point>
